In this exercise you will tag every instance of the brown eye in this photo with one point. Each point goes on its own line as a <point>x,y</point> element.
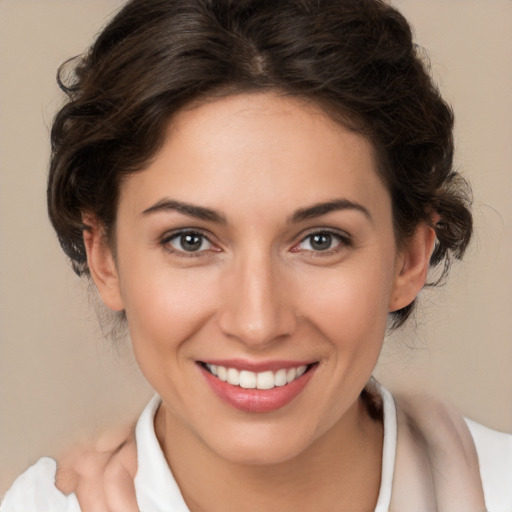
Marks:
<point>189,242</point>
<point>323,241</point>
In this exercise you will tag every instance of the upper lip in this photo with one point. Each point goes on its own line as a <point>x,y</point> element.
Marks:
<point>256,366</point>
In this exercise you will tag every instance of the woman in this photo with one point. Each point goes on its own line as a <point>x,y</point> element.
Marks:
<point>256,187</point>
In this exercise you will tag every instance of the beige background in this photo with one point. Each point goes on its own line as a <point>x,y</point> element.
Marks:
<point>60,379</point>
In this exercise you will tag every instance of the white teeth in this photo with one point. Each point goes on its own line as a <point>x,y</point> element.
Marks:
<point>233,376</point>
<point>251,380</point>
<point>247,379</point>
<point>222,373</point>
<point>280,378</point>
<point>265,380</point>
<point>290,375</point>
<point>301,370</point>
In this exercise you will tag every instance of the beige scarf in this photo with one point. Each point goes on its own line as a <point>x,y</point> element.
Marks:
<point>436,467</point>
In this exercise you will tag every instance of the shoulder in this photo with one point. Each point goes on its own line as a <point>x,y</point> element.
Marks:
<point>464,454</point>
<point>494,451</point>
<point>34,491</point>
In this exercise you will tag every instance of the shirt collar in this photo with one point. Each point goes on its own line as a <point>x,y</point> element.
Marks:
<point>157,489</point>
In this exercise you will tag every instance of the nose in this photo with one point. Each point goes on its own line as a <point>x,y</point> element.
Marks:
<point>256,305</point>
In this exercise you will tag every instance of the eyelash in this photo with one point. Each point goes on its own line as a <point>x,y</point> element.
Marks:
<point>166,243</point>
<point>343,240</point>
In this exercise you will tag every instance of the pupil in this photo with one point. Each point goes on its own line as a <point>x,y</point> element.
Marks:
<point>321,241</point>
<point>191,242</point>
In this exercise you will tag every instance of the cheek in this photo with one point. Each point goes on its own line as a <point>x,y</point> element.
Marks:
<point>165,307</point>
<point>164,310</point>
<point>349,307</point>
<point>352,301</point>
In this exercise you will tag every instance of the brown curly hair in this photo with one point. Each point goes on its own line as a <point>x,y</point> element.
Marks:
<point>355,58</point>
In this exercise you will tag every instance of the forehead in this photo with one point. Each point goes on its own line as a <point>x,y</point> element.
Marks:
<point>258,148</point>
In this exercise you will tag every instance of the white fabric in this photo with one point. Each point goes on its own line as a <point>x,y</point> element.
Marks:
<point>436,462</point>
<point>156,489</point>
<point>495,456</point>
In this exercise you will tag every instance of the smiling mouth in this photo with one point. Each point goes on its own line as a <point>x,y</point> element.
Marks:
<point>265,380</point>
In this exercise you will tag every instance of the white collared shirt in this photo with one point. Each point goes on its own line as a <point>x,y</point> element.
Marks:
<point>157,490</point>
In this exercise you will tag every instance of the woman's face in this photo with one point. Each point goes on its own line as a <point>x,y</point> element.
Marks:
<point>258,241</point>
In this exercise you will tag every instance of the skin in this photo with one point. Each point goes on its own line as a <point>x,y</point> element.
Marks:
<point>258,289</point>
<point>101,474</point>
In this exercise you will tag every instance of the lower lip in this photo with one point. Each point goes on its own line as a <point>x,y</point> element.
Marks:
<point>257,400</point>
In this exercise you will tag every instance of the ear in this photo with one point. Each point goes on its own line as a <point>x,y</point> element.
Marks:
<point>101,263</point>
<point>412,267</point>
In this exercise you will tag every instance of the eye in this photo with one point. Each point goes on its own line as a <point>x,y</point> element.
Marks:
<point>188,242</point>
<point>322,241</point>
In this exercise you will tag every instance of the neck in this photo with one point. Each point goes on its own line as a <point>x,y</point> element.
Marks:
<point>339,471</point>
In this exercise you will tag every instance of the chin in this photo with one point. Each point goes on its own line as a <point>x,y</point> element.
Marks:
<point>260,444</point>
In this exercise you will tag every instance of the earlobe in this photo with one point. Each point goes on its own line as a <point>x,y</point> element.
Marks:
<point>412,267</point>
<point>101,263</point>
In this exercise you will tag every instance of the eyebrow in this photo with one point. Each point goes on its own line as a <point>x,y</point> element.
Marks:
<point>320,209</point>
<point>310,212</point>
<point>198,212</point>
